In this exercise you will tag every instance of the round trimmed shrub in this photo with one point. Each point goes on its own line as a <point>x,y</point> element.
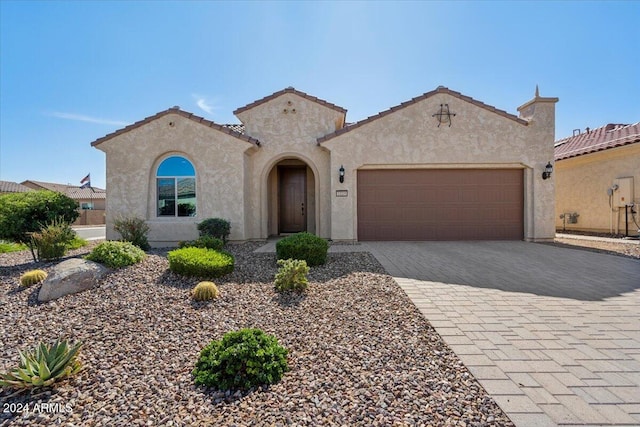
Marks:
<point>116,254</point>
<point>32,277</point>
<point>303,246</point>
<point>205,291</point>
<point>200,262</point>
<point>241,360</point>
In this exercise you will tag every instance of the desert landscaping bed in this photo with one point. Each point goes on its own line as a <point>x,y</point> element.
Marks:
<point>359,351</point>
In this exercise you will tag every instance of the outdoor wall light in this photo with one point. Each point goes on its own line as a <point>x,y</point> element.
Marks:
<point>444,115</point>
<point>341,173</point>
<point>547,171</point>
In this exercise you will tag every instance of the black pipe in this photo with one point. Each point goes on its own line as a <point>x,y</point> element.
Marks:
<point>626,221</point>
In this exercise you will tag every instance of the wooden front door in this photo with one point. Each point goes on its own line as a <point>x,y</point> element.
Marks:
<point>293,199</point>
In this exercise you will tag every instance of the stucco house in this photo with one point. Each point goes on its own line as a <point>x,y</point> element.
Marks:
<point>597,178</point>
<point>441,166</point>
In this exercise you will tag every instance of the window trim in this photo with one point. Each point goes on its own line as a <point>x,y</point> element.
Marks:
<point>175,179</point>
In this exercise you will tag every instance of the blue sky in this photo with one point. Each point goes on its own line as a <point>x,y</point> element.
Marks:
<point>72,72</point>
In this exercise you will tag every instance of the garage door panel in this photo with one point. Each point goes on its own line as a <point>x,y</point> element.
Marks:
<point>440,204</point>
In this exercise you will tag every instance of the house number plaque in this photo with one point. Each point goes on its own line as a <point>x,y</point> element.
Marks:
<point>342,193</point>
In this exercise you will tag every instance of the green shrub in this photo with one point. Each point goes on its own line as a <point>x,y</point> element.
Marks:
<point>215,227</point>
<point>43,365</point>
<point>304,246</point>
<point>52,241</point>
<point>292,275</point>
<point>32,277</point>
<point>133,230</point>
<point>77,243</point>
<point>241,360</point>
<point>205,291</point>
<point>6,247</point>
<point>200,262</point>
<point>203,242</point>
<point>116,254</point>
<point>24,213</point>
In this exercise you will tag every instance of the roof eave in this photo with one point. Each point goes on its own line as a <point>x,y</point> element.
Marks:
<point>178,111</point>
<point>293,91</point>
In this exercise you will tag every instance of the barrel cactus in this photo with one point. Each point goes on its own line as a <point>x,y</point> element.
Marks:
<point>32,277</point>
<point>205,291</point>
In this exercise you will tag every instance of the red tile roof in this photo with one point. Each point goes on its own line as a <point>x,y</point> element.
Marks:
<point>176,110</point>
<point>13,187</point>
<point>603,138</point>
<point>439,89</point>
<point>290,90</point>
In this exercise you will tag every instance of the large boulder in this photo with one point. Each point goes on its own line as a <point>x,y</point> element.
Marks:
<point>69,277</point>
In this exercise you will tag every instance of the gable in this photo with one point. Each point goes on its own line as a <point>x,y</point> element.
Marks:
<point>413,101</point>
<point>290,115</point>
<point>176,110</point>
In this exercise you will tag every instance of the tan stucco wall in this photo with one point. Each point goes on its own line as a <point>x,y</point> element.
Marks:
<point>288,135</point>
<point>132,161</point>
<point>238,181</point>
<point>410,138</point>
<point>582,183</point>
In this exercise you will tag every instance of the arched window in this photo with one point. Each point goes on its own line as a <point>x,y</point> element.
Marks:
<point>176,184</point>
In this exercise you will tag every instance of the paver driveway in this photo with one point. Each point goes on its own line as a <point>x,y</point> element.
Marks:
<point>553,334</point>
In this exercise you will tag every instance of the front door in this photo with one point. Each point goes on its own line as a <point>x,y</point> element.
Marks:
<point>293,199</point>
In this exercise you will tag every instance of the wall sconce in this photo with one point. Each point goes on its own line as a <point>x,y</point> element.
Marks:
<point>444,115</point>
<point>341,173</point>
<point>547,171</point>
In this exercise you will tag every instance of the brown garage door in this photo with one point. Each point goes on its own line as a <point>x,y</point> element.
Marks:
<point>440,204</point>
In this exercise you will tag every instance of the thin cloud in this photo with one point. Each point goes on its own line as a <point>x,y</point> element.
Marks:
<point>205,104</point>
<point>87,119</point>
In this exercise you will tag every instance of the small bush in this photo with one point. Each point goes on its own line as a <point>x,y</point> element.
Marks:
<point>203,242</point>
<point>32,277</point>
<point>205,291</point>
<point>292,275</point>
<point>200,262</point>
<point>77,243</point>
<point>215,227</point>
<point>24,213</point>
<point>241,360</point>
<point>116,254</point>
<point>52,241</point>
<point>133,230</point>
<point>304,246</point>
<point>43,366</point>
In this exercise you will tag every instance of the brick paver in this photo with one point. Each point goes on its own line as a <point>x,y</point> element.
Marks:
<point>553,334</point>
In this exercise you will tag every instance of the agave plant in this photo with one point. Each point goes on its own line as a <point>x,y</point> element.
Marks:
<point>43,365</point>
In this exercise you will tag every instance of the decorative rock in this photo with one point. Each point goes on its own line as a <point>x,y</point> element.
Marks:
<point>69,277</point>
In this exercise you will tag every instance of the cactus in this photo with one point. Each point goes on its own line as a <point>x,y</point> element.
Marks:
<point>205,291</point>
<point>32,277</point>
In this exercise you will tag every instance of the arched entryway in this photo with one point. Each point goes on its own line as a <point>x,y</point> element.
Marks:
<point>291,186</point>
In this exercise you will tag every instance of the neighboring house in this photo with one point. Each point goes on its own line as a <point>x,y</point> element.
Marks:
<point>597,175</point>
<point>441,166</point>
<point>91,200</point>
<point>12,187</point>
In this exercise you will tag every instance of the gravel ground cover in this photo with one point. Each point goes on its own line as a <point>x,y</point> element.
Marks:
<point>359,351</point>
<point>630,249</point>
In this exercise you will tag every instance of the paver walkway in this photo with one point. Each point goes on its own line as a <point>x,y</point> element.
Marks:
<point>553,334</point>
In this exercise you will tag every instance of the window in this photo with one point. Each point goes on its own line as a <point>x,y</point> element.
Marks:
<point>86,205</point>
<point>176,185</point>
